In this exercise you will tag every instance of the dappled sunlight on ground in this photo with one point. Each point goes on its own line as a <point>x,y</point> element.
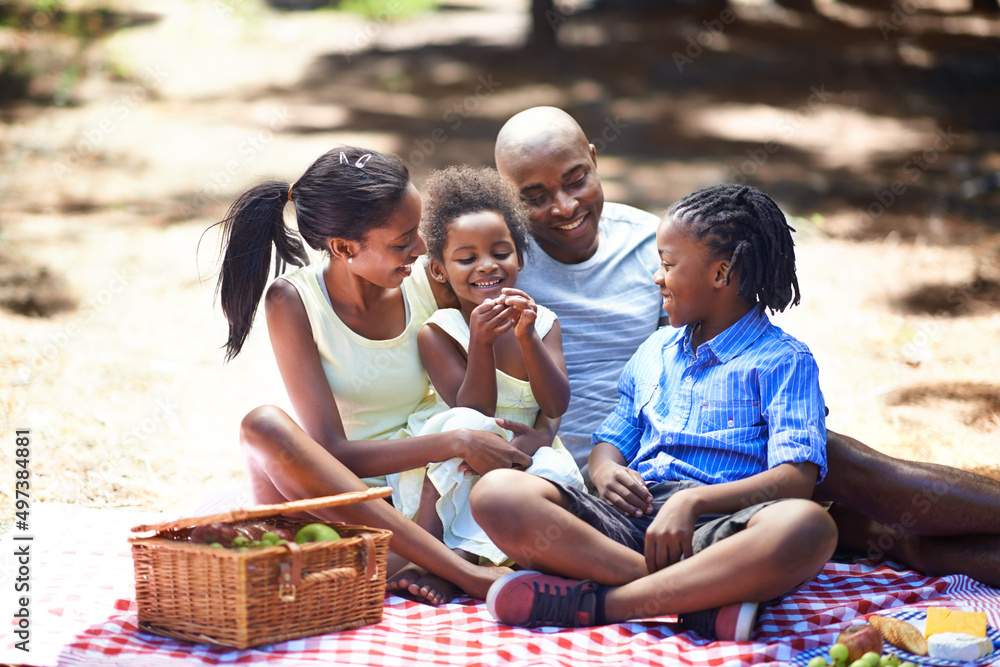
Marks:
<point>879,138</point>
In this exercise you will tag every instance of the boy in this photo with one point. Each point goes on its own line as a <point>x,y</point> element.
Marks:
<point>719,419</point>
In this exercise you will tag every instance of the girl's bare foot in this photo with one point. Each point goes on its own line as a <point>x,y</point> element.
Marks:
<point>418,584</point>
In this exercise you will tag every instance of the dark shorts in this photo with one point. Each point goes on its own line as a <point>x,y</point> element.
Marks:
<point>631,531</point>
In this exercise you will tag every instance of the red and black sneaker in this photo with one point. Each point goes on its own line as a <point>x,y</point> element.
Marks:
<point>732,622</point>
<point>531,599</point>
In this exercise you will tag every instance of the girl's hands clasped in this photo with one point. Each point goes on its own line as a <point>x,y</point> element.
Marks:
<point>489,320</point>
<point>525,312</point>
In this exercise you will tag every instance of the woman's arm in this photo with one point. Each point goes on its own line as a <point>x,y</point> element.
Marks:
<point>317,412</point>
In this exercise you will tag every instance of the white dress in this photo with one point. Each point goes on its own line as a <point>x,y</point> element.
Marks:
<point>515,402</point>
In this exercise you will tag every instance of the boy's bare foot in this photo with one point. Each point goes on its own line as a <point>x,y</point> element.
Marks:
<point>420,585</point>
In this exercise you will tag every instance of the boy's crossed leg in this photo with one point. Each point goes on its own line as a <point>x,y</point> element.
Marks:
<point>783,545</point>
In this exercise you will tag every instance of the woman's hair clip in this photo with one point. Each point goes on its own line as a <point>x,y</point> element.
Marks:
<point>362,161</point>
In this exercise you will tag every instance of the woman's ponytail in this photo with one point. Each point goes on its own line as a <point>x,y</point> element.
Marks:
<point>344,194</point>
<point>254,222</point>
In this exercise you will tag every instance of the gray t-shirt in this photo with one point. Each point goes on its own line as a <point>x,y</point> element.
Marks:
<point>607,306</point>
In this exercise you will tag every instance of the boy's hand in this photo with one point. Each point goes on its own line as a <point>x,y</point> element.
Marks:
<point>624,489</point>
<point>525,312</point>
<point>488,320</point>
<point>669,536</point>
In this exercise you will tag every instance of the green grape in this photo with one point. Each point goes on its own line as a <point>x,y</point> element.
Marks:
<point>818,661</point>
<point>871,658</point>
<point>839,653</point>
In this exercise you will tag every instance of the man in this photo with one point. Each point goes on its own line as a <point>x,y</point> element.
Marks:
<point>592,263</point>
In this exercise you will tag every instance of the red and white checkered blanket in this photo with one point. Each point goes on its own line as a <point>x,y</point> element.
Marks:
<point>83,612</point>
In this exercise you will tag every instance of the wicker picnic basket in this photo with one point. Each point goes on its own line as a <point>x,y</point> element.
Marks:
<point>262,595</point>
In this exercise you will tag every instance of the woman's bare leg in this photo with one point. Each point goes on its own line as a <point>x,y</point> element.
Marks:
<point>416,580</point>
<point>284,463</point>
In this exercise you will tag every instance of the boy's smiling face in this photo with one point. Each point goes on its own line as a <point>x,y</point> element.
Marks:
<point>688,277</point>
<point>479,257</point>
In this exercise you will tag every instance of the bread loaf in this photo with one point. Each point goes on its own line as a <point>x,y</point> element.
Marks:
<point>900,634</point>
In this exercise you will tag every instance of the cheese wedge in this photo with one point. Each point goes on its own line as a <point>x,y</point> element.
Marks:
<point>940,619</point>
<point>958,646</point>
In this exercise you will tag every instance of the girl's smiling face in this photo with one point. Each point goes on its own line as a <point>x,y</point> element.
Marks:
<point>479,257</point>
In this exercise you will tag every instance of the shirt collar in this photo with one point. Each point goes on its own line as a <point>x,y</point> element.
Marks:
<point>733,340</point>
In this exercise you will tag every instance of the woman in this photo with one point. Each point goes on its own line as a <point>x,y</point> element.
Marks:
<point>343,332</point>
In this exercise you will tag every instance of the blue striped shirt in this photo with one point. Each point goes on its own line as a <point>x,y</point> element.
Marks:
<point>748,401</point>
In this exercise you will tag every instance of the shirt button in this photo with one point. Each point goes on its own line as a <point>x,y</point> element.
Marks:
<point>730,423</point>
<point>669,439</point>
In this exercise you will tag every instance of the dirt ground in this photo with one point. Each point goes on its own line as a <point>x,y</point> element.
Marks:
<point>875,129</point>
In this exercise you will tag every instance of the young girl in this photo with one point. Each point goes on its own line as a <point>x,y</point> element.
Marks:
<point>344,334</point>
<point>498,355</point>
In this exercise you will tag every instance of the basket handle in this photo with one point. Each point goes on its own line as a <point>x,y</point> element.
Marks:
<point>262,511</point>
<point>290,578</point>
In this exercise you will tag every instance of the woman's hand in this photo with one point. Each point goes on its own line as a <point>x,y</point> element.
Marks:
<point>623,488</point>
<point>483,451</point>
<point>669,536</point>
<point>526,438</point>
<point>525,312</point>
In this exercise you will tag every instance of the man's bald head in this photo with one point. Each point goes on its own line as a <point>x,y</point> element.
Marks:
<point>532,130</point>
<point>546,156</point>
